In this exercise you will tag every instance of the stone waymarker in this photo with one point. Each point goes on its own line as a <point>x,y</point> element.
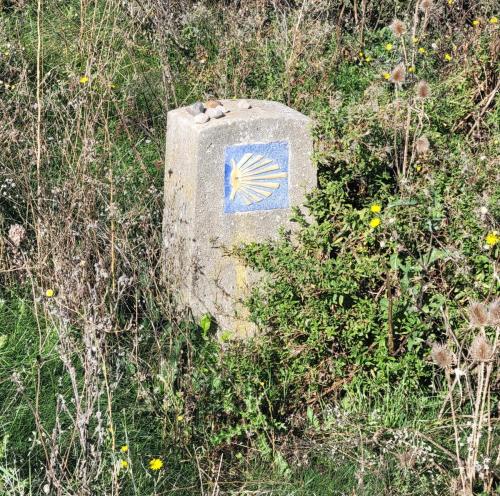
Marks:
<point>229,179</point>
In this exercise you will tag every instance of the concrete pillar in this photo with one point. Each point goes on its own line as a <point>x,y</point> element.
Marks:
<point>230,179</point>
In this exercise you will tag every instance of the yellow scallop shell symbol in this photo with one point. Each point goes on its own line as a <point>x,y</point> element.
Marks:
<point>254,178</point>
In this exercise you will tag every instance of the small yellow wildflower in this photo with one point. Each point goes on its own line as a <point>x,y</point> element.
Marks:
<point>376,208</point>
<point>388,47</point>
<point>411,68</point>
<point>155,464</point>
<point>375,222</point>
<point>84,79</point>
<point>124,464</point>
<point>418,168</point>
<point>124,448</point>
<point>368,59</point>
<point>493,20</point>
<point>492,238</point>
<point>180,418</point>
<point>360,54</point>
<point>421,50</point>
<point>49,293</point>
<point>387,75</point>
<point>447,57</point>
<point>414,39</point>
<point>476,22</point>
<point>450,2</point>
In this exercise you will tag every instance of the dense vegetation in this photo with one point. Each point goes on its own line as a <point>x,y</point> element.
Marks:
<point>376,365</point>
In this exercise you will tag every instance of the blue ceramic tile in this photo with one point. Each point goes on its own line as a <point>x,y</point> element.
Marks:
<point>256,177</point>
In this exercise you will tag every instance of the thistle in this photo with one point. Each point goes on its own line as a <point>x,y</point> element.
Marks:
<point>478,315</point>
<point>398,74</point>
<point>481,350</point>
<point>425,5</point>
<point>494,313</point>
<point>422,145</point>
<point>423,89</point>
<point>398,28</point>
<point>442,356</point>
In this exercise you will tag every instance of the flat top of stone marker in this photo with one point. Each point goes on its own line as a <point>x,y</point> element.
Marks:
<point>260,109</point>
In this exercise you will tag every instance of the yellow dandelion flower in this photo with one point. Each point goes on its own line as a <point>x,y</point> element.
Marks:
<point>388,47</point>
<point>411,68</point>
<point>124,448</point>
<point>492,238</point>
<point>447,57</point>
<point>49,293</point>
<point>155,464</point>
<point>124,464</point>
<point>493,20</point>
<point>418,168</point>
<point>180,418</point>
<point>414,39</point>
<point>476,22</point>
<point>450,2</point>
<point>376,208</point>
<point>375,222</point>
<point>387,75</point>
<point>360,54</point>
<point>84,79</point>
<point>368,59</point>
<point>421,50</point>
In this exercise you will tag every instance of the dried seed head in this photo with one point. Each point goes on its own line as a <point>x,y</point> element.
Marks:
<point>423,89</point>
<point>398,74</point>
<point>478,315</point>
<point>422,145</point>
<point>481,349</point>
<point>398,27</point>
<point>425,5</point>
<point>16,234</point>
<point>494,313</point>
<point>442,356</point>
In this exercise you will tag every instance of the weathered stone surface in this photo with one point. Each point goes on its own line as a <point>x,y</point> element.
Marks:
<point>244,104</point>
<point>201,118</point>
<point>229,181</point>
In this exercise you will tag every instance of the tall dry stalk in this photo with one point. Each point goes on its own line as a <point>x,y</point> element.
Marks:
<point>475,368</point>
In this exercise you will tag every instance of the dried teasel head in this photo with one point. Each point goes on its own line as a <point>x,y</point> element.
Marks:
<point>481,350</point>
<point>422,145</point>
<point>423,89</point>
<point>398,74</point>
<point>478,315</point>
<point>442,356</point>
<point>494,313</point>
<point>16,234</point>
<point>425,5</point>
<point>398,27</point>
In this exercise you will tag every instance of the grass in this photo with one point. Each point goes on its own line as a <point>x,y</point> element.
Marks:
<point>321,404</point>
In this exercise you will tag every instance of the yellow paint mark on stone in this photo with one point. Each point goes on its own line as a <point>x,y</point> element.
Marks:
<point>241,277</point>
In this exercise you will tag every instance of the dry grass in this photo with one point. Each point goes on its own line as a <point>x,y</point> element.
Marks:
<point>82,142</point>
